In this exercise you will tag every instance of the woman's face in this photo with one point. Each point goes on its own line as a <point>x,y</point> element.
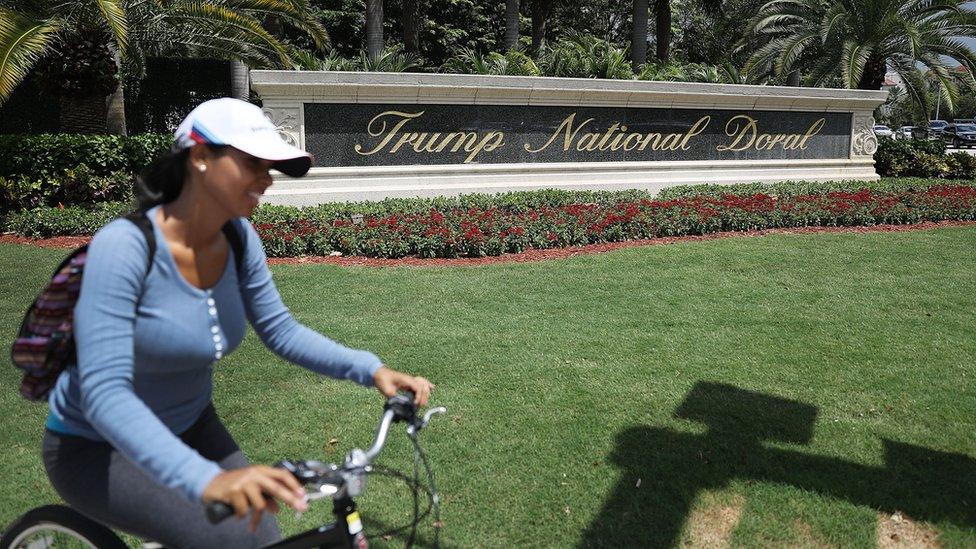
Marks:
<point>236,180</point>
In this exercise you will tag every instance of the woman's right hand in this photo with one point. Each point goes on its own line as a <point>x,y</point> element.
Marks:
<point>255,489</point>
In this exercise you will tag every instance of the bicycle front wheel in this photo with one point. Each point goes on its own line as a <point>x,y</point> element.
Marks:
<point>57,526</point>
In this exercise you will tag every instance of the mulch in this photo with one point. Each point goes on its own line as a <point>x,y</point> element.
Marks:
<point>528,255</point>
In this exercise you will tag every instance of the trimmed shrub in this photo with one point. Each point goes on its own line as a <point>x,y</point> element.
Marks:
<point>917,158</point>
<point>46,222</point>
<point>47,156</point>
<point>66,169</point>
<point>73,187</point>
<point>480,225</point>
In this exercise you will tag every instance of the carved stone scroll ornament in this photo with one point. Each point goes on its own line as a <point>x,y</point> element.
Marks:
<point>285,120</point>
<point>864,142</point>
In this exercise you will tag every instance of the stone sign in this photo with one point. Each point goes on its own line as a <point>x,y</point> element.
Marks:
<point>405,134</point>
<point>379,135</point>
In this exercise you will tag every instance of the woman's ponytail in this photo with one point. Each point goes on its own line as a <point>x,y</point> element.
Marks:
<point>161,181</point>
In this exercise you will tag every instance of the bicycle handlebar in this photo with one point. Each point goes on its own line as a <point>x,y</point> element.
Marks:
<point>326,475</point>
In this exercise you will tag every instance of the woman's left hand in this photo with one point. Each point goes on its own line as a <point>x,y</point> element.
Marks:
<point>390,381</point>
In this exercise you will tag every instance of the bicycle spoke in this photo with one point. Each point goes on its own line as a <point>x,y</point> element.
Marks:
<point>51,537</point>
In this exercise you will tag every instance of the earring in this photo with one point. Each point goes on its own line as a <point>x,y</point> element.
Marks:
<point>202,168</point>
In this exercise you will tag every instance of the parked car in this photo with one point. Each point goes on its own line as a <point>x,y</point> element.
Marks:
<point>936,127</point>
<point>881,130</point>
<point>960,135</point>
<point>905,132</point>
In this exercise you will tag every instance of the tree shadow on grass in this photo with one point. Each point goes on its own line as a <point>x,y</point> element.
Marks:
<point>674,467</point>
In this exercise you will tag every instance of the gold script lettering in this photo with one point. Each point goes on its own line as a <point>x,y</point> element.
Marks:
<point>696,128</point>
<point>749,127</point>
<point>497,139</point>
<point>814,130</point>
<point>744,131</point>
<point>570,134</point>
<point>378,131</point>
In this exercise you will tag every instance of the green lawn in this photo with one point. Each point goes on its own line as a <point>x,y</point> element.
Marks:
<point>800,384</point>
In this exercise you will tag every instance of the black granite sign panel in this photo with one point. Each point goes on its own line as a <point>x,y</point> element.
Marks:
<point>395,135</point>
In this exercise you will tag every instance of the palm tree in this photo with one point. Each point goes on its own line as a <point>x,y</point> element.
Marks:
<point>858,40</point>
<point>540,16</point>
<point>638,44</point>
<point>411,26</point>
<point>374,28</point>
<point>135,29</point>
<point>511,24</point>
<point>662,24</point>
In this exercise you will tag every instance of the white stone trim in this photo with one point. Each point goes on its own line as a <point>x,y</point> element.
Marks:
<point>379,182</point>
<point>285,94</point>
<point>359,87</point>
<point>290,121</point>
<point>863,142</point>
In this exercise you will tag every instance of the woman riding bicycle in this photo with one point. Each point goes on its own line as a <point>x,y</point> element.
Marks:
<point>132,439</point>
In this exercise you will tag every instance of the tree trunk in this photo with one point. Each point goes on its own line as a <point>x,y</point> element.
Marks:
<point>638,44</point>
<point>240,84</point>
<point>84,114</point>
<point>115,122</point>
<point>374,29</point>
<point>662,14</point>
<point>540,16</point>
<point>874,74</point>
<point>511,24</point>
<point>411,26</point>
<point>275,26</point>
<point>793,79</point>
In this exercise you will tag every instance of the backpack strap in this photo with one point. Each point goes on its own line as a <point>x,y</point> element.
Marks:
<point>141,220</point>
<point>230,230</point>
<point>236,242</point>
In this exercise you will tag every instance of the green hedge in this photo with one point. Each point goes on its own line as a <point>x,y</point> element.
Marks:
<point>396,227</point>
<point>797,188</point>
<point>44,222</point>
<point>78,186</point>
<point>51,155</point>
<point>66,169</point>
<point>922,158</point>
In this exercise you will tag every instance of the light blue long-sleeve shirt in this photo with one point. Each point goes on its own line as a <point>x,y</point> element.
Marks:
<point>146,348</point>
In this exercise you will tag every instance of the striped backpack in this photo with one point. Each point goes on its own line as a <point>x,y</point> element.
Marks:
<point>45,344</point>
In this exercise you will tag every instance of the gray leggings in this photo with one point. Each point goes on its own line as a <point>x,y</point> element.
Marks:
<point>97,481</point>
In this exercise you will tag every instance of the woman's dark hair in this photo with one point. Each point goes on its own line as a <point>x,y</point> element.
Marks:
<point>162,180</point>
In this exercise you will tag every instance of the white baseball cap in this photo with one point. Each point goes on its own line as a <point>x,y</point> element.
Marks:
<point>228,121</point>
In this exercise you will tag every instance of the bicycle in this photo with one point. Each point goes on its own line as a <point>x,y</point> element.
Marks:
<point>60,526</point>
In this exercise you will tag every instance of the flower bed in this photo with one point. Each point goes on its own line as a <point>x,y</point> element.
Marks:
<point>490,225</point>
<point>476,232</point>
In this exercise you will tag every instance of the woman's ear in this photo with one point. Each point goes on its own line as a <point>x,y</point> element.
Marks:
<point>199,155</point>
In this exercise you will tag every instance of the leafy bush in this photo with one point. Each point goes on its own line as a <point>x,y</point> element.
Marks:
<point>788,189</point>
<point>511,63</point>
<point>51,155</point>
<point>480,225</point>
<point>586,56</point>
<point>73,187</point>
<point>918,158</point>
<point>46,222</point>
<point>67,169</point>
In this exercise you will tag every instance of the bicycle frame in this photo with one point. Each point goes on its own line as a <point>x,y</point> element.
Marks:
<point>345,533</point>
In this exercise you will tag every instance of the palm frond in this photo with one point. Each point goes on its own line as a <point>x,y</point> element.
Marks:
<point>296,13</point>
<point>832,20</point>
<point>221,19</point>
<point>23,40</point>
<point>855,56</point>
<point>113,13</point>
<point>792,52</point>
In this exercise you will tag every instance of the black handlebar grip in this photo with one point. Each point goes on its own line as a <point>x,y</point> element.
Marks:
<point>218,511</point>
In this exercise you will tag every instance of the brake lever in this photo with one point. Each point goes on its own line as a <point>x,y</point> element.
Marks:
<point>419,424</point>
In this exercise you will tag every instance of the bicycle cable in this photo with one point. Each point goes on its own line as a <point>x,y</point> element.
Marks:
<point>415,487</point>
